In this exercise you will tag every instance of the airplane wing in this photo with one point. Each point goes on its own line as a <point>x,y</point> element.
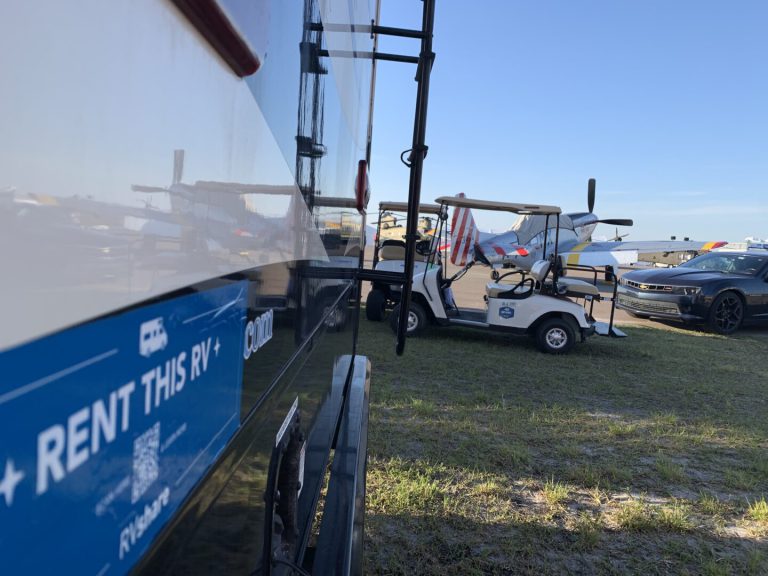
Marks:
<point>616,253</point>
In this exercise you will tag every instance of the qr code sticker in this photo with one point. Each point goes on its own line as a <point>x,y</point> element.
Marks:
<point>146,461</point>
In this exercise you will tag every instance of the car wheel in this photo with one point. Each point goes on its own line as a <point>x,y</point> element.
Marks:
<point>555,336</point>
<point>374,305</point>
<point>726,313</point>
<point>417,319</point>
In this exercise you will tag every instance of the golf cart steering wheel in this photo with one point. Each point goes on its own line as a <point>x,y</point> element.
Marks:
<point>423,246</point>
<point>498,277</point>
<point>526,282</point>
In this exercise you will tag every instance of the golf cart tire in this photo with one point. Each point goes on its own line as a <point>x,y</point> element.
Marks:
<point>375,304</point>
<point>555,336</point>
<point>416,314</point>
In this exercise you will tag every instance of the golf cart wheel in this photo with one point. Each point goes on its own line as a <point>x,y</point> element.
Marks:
<point>555,336</point>
<point>726,313</point>
<point>335,317</point>
<point>417,319</point>
<point>374,305</point>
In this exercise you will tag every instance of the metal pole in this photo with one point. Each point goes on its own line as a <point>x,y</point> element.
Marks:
<point>418,152</point>
<point>377,240</point>
<point>556,263</point>
<point>613,307</point>
<point>362,28</point>
<point>370,56</point>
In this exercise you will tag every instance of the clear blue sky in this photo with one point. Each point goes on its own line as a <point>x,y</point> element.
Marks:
<point>664,102</point>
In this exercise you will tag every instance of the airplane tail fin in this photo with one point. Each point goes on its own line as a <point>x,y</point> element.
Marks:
<point>464,234</point>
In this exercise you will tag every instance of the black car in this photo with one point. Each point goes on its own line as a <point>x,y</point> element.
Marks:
<point>721,289</point>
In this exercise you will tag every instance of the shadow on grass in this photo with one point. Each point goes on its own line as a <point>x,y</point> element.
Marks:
<point>451,544</point>
<point>668,416</point>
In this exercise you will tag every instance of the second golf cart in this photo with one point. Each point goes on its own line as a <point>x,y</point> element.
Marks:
<point>389,251</point>
<point>540,302</point>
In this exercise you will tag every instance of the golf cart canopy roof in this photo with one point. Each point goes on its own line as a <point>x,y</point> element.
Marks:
<point>459,202</point>
<point>403,207</point>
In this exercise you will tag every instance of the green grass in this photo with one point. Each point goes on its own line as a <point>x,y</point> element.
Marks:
<point>740,480</point>
<point>668,469</point>
<point>758,511</point>
<point>712,506</point>
<point>645,455</point>
<point>588,529</point>
<point>555,493</point>
<point>637,515</point>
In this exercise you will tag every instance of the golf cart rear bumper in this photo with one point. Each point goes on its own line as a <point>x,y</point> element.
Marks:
<point>605,329</point>
<point>587,332</point>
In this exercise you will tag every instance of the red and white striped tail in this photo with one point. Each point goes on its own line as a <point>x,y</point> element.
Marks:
<point>464,234</point>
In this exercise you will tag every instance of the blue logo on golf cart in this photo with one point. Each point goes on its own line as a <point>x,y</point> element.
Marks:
<point>506,312</point>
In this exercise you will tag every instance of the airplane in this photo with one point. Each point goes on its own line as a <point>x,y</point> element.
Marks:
<point>615,238</point>
<point>225,210</point>
<point>533,237</point>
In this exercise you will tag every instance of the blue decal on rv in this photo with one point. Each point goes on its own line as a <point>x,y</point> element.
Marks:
<point>107,427</point>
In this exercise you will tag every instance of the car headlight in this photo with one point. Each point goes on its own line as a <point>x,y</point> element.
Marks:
<point>622,281</point>
<point>686,290</point>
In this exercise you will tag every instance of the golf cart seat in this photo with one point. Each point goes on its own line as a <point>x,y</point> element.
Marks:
<point>577,288</point>
<point>540,269</point>
<point>395,250</point>
<point>392,252</point>
<point>565,286</point>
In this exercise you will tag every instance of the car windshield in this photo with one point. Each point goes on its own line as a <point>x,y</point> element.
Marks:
<point>732,263</point>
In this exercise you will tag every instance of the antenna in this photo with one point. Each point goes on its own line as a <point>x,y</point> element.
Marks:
<point>178,165</point>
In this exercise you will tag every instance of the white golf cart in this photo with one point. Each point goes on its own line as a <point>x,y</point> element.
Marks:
<point>389,251</point>
<point>541,302</point>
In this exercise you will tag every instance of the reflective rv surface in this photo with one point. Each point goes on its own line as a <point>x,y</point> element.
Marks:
<point>163,331</point>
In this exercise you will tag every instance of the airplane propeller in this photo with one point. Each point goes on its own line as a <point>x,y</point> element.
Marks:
<point>617,221</point>
<point>591,206</point>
